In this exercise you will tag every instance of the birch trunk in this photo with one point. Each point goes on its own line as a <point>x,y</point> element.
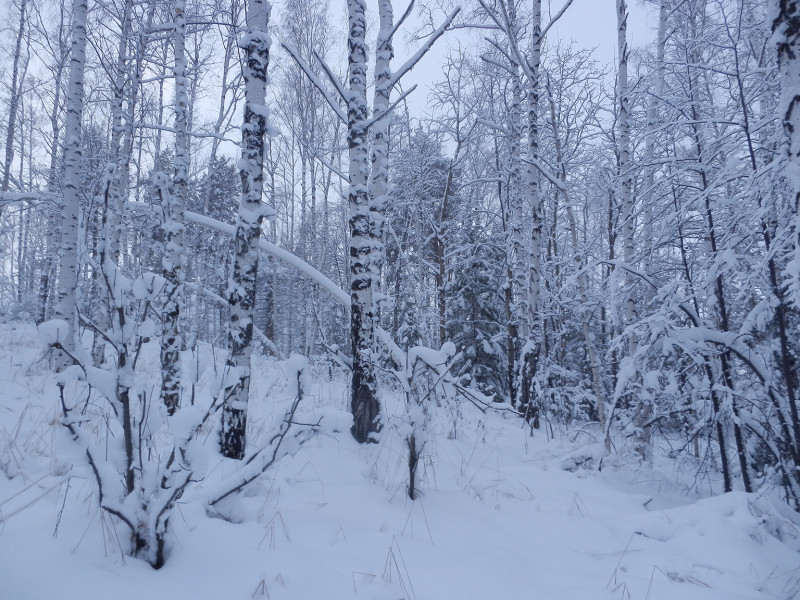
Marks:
<point>531,350</point>
<point>625,167</point>
<point>379,181</point>
<point>66,307</point>
<point>644,411</point>
<point>53,226</point>
<point>517,327</point>
<point>117,128</point>
<point>650,142</point>
<point>14,99</point>
<point>363,401</point>
<point>173,226</point>
<point>242,288</point>
<point>786,28</point>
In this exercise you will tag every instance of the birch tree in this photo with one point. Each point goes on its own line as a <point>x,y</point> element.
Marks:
<point>786,28</point>
<point>242,287</point>
<point>56,49</point>
<point>66,306</point>
<point>624,160</point>
<point>531,350</point>
<point>365,210</point>
<point>625,183</point>
<point>174,205</point>
<point>363,402</point>
<point>13,102</point>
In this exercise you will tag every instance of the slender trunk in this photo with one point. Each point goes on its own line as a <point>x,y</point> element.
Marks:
<point>172,261</point>
<point>650,141</point>
<point>379,174</point>
<point>117,130</point>
<point>14,98</point>
<point>517,251</point>
<point>625,167</point>
<point>440,249</point>
<point>707,369</point>
<point>66,306</point>
<point>53,229</point>
<point>717,287</point>
<point>533,345</point>
<point>413,461</point>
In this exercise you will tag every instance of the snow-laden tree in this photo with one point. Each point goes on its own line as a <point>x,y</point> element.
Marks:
<point>252,210</point>
<point>174,204</point>
<point>364,402</point>
<point>18,63</point>
<point>365,209</point>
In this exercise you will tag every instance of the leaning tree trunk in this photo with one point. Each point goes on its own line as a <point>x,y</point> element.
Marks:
<point>363,401</point>
<point>242,289</point>
<point>66,307</point>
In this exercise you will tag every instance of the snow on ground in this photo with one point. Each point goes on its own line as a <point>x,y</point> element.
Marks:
<point>498,516</point>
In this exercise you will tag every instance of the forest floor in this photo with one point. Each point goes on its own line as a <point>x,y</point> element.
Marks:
<point>500,514</point>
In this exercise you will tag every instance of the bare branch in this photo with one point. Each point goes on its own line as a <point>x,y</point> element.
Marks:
<point>317,83</point>
<point>402,19</point>
<point>559,14</point>
<point>389,109</point>
<point>423,50</point>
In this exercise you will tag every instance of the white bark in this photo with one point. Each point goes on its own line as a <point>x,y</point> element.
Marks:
<point>645,409</point>
<point>531,350</point>
<point>13,103</point>
<point>363,403</point>
<point>650,142</point>
<point>129,68</point>
<point>173,225</point>
<point>379,182</point>
<point>66,307</point>
<point>516,239</point>
<point>117,126</point>
<point>625,167</point>
<point>518,280</point>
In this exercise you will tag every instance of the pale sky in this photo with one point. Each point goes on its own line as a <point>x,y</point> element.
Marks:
<point>593,23</point>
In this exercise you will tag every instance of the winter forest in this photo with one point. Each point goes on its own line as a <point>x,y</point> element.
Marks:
<point>235,237</point>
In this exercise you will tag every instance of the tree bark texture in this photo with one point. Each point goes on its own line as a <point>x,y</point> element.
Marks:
<point>242,288</point>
